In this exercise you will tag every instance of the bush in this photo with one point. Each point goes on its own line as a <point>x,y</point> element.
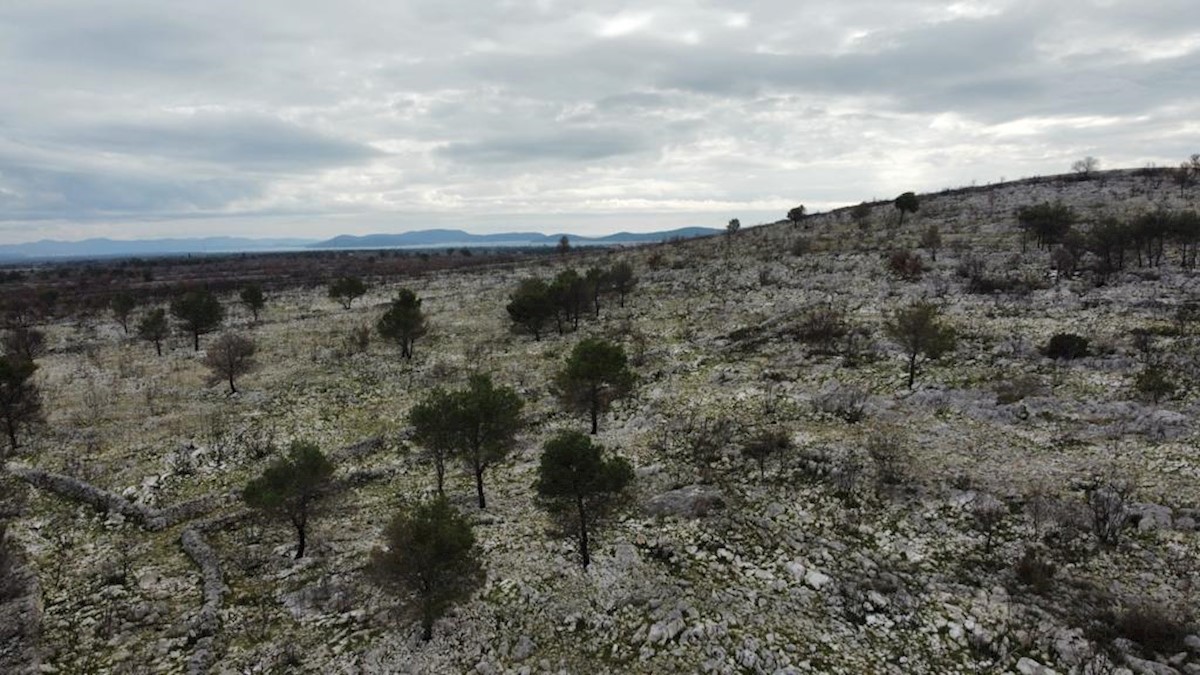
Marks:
<point>1017,388</point>
<point>846,402</point>
<point>1157,629</point>
<point>890,457</point>
<point>1154,384</point>
<point>801,246</point>
<point>822,327</point>
<point>906,265</point>
<point>1066,347</point>
<point>1034,569</point>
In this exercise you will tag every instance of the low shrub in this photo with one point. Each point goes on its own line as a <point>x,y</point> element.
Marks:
<point>1066,347</point>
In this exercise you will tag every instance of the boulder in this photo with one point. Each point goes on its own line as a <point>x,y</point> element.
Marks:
<point>692,501</point>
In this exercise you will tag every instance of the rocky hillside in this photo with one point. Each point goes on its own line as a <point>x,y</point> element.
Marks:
<point>953,527</point>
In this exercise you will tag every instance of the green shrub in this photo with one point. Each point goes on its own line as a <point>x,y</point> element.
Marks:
<point>1067,347</point>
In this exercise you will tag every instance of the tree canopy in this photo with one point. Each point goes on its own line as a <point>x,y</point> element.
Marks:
<point>907,203</point>
<point>429,552</point>
<point>20,400</point>
<point>576,482</point>
<point>291,487</point>
<point>479,424</point>
<point>346,290</point>
<point>919,331</point>
<point>198,313</point>
<point>596,373</point>
<point>403,322</point>
<point>254,300</point>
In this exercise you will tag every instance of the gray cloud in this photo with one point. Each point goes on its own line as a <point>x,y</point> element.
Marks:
<point>574,145</point>
<point>607,112</point>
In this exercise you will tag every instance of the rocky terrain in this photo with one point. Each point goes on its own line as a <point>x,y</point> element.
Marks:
<point>947,528</point>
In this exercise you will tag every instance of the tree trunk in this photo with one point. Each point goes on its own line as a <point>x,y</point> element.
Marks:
<point>439,465</point>
<point>11,428</point>
<point>232,389</point>
<point>158,347</point>
<point>595,412</point>
<point>584,554</point>
<point>479,486</point>
<point>622,299</point>
<point>302,539</point>
<point>912,369</point>
<point>196,340</point>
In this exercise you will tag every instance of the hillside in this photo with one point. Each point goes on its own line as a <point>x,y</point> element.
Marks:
<point>946,528</point>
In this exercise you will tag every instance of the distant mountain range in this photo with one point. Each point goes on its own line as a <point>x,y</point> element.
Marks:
<point>438,238</point>
<point>108,248</point>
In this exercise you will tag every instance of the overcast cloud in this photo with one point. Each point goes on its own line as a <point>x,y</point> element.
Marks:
<point>149,118</point>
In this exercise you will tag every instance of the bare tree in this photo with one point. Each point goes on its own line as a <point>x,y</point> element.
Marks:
<point>1086,167</point>
<point>231,356</point>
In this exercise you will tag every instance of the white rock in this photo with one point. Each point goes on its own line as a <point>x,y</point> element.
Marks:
<point>1027,666</point>
<point>816,579</point>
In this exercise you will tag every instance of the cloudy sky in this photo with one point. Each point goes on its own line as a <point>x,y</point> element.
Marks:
<point>157,118</point>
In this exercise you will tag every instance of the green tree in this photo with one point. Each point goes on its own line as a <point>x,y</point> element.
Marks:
<point>595,280</point>
<point>595,375</point>
<point>1154,383</point>
<point>198,313</point>
<point>403,322</point>
<point>231,356</point>
<point>429,552</point>
<point>254,300</point>
<point>531,306</point>
<point>621,280</point>
<point>576,482</point>
<point>488,419</point>
<point>435,424</point>
<point>919,331</point>
<point>906,203</point>
<point>291,487</point>
<point>479,424</point>
<point>1049,223</point>
<point>931,241</point>
<point>564,245</point>
<point>346,290</point>
<point>570,295</point>
<point>733,226</point>
<point>154,328</point>
<point>796,214</point>
<point>20,400</point>
<point>122,306</point>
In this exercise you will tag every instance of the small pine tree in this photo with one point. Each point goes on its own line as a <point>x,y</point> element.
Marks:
<point>531,306</point>
<point>594,376</point>
<point>621,280</point>
<point>346,290</point>
<point>254,300</point>
<point>403,322</point>
<point>478,423</point>
<point>906,203</point>
<point>429,552</point>
<point>20,400</point>
<point>122,306</point>
<point>919,331</point>
<point>198,313</point>
<point>154,328</point>
<point>576,482</point>
<point>291,487</point>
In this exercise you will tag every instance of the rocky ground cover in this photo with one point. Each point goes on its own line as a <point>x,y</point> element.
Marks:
<point>941,529</point>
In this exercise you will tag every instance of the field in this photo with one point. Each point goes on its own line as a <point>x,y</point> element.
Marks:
<point>945,528</point>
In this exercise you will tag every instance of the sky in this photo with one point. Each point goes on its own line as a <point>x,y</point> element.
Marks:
<point>297,118</point>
